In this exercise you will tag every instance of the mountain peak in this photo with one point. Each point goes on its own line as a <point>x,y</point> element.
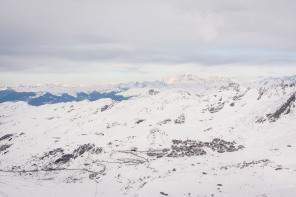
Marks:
<point>192,79</point>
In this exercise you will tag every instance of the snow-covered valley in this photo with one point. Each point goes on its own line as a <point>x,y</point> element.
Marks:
<point>226,139</point>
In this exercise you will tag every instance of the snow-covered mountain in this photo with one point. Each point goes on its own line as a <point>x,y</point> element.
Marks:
<point>72,89</point>
<point>188,78</point>
<point>56,93</point>
<point>59,93</point>
<point>162,140</point>
<point>196,83</point>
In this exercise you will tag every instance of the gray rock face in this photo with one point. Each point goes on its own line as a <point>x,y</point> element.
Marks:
<point>216,108</point>
<point>261,93</point>
<point>152,92</point>
<point>284,109</point>
<point>261,120</point>
<point>238,97</point>
<point>90,148</point>
<point>139,121</point>
<point>53,152</point>
<point>64,159</point>
<point>104,108</point>
<point>166,121</point>
<point>60,158</point>
<point>6,137</point>
<point>4,147</point>
<point>180,119</point>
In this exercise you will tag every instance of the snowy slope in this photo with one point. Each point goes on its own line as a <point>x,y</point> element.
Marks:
<point>226,141</point>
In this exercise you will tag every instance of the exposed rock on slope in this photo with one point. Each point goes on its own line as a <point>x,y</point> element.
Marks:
<point>60,158</point>
<point>284,109</point>
<point>180,119</point>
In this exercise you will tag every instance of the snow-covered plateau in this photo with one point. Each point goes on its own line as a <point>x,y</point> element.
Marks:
<point>212,137</point>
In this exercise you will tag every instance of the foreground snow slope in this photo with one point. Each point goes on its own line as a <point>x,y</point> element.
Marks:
<point>223,142</point>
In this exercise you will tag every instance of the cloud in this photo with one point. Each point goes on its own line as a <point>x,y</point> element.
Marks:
<point>74,36</point>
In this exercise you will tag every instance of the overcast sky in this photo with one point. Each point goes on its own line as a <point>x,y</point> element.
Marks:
<point>94,41</point>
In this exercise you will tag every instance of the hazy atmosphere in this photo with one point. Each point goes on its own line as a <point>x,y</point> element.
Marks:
<point>89,41</point>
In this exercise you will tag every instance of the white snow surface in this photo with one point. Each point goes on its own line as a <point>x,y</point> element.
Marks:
<point>266,166</point>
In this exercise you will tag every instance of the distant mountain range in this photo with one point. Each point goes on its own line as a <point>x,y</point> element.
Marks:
<point>37,95</point>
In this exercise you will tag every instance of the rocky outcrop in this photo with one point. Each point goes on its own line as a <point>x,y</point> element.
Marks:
<point>139,121</point>
<point>104,108</point>
<point>216,108</point>
<point>261,93</point>
<point>283,109</point>
<point>64,159</point>
<point>6,137</point>
<point>59,157</point>
<point>152,92</point>
<point>239,96</point>
<point>90,148</point>
<point>180,119</point>
<point>107,107</point>
<point>166,121</point>
<point>4,147</point>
